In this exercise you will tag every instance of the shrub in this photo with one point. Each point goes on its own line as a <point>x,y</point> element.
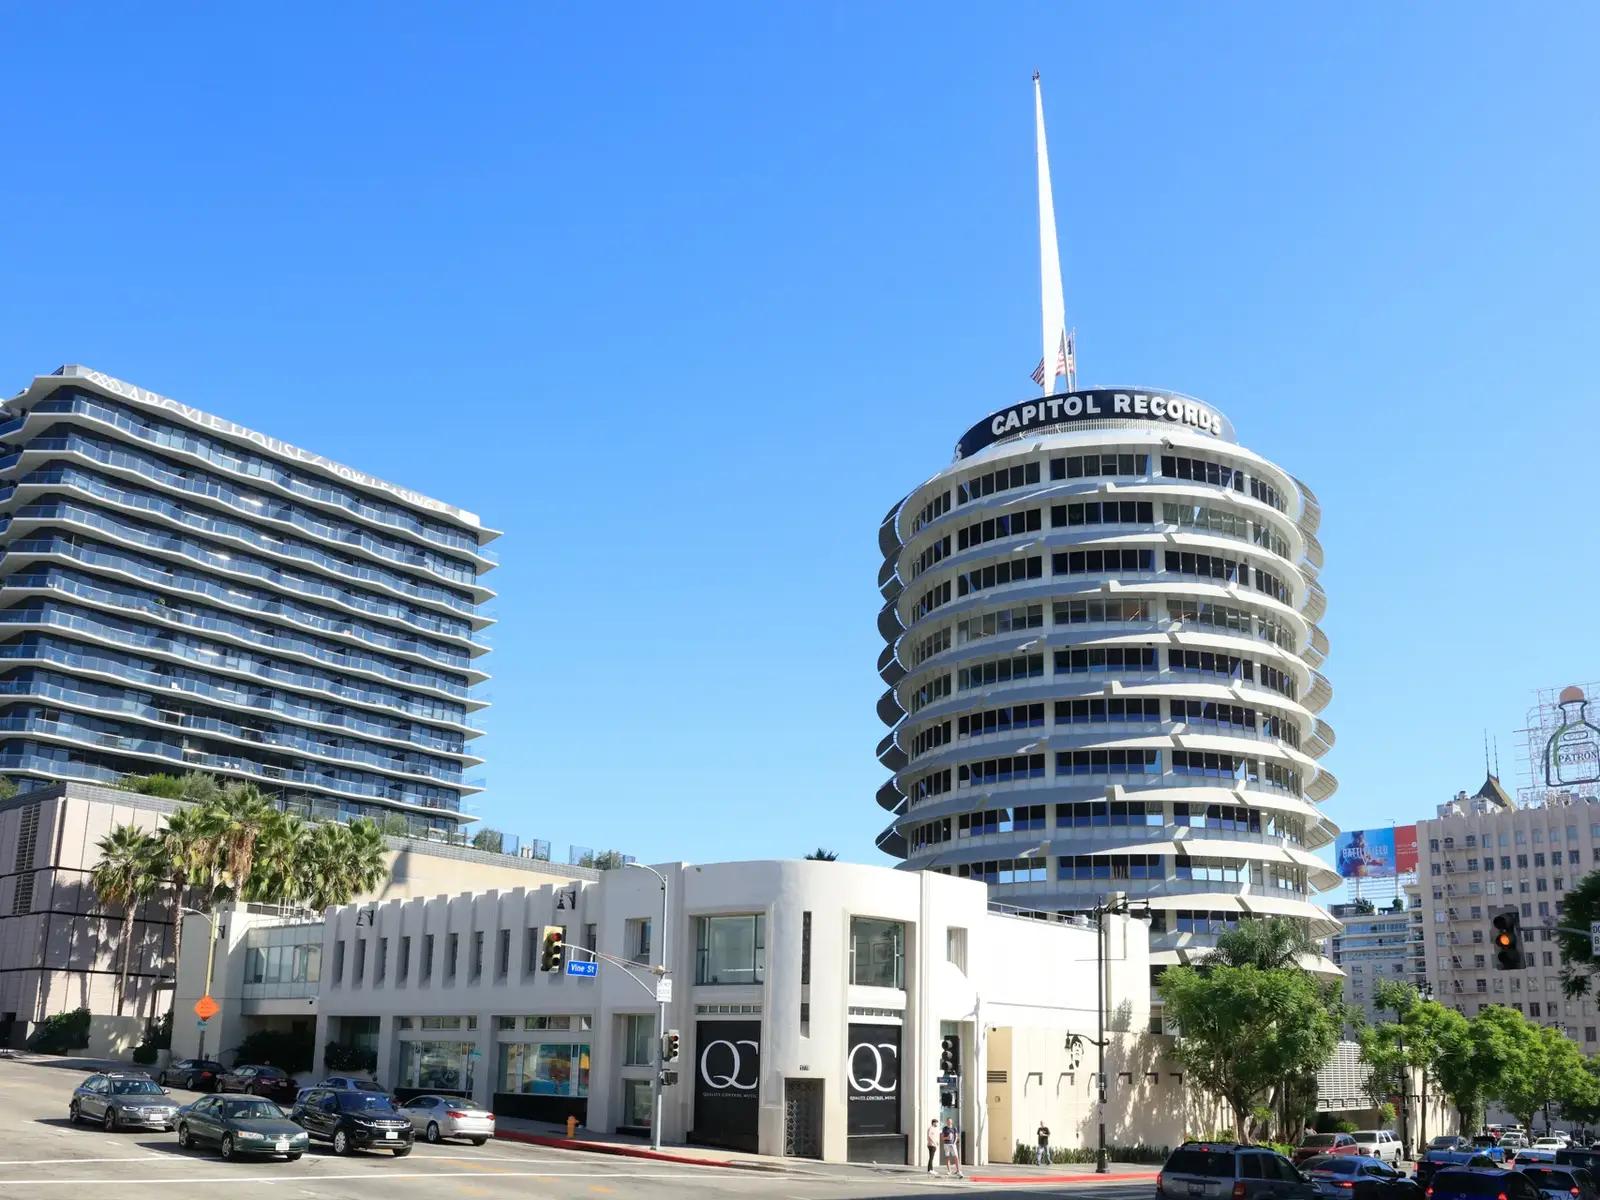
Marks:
<point>341,1056</point>
<point>1024,1153</point>
<point>61,1033</point>
<point>275,1048</point>
<point>144,1054</point>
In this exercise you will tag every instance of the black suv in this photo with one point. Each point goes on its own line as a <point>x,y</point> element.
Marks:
<point>1231,1171</point>
<point>354,1121</point>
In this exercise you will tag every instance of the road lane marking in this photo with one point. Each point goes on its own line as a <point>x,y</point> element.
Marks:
<point>292,1180</point>
<point>39,1162</point>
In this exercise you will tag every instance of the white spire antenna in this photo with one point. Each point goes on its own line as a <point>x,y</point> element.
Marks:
<point>1059,357</point>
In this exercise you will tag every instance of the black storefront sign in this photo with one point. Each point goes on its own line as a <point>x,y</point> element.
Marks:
<point>727,1084</point>
<point>872,1080</point>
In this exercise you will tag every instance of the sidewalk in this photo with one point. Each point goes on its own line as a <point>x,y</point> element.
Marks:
<point>539,1133</point>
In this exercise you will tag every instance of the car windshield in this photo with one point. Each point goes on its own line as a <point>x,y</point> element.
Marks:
<point>1321,1139</point>
<point>1366,1135</point>
<point>1464,1184</point>
<point>365,1085</point>
<point>1334,1164</point>
<point>269,1073</point>
<point>252,1110</point>
<point>365,1102</point>
<point>1443,1143</point>
<point>1217,1164</point>
<point>135,1087</point>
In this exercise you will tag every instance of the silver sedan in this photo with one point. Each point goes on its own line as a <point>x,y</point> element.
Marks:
<point>438,1117</point>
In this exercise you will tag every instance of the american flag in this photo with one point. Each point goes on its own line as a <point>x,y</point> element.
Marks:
<point>1066,363</point>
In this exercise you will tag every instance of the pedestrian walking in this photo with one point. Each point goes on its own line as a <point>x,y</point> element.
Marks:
<point>950,1143</point>
<point>1043,1155</point>
<point>933,1142</point>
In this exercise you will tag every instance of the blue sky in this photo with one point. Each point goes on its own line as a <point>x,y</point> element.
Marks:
<point>683,298</point>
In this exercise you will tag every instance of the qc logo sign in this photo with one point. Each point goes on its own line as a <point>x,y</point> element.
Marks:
<point>872,1079</point>
<point>723,1064</point>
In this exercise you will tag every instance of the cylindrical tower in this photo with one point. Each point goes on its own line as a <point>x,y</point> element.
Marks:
<point>1102,664</point>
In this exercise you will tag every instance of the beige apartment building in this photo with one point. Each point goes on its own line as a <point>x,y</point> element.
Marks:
<point>61,949</point>
<point>1483,854</point>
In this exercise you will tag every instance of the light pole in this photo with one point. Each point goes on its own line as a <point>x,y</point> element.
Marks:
<point>211,958</point>
<point>1102,910</point>
<point>661,1014</point>
<point>1424,992</point>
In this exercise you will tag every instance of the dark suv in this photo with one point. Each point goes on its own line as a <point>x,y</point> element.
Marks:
<point>354,1121</point>
<point>1217,1170</point>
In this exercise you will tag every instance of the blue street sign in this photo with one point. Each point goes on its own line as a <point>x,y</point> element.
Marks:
<point>575,967</point>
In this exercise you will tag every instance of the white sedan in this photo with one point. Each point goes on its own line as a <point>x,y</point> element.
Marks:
<point>438,1117</point>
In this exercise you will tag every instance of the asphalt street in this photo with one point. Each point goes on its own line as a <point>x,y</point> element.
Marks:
<point>43,1157</point>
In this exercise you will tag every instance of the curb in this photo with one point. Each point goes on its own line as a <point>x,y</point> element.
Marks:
<point>561,1143</point>
<point>1085,1177</point>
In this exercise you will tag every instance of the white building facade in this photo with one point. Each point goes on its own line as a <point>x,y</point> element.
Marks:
<point>812,1000</point>
<point>1101,659</point>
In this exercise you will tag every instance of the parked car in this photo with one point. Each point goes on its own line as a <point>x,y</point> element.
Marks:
<point>1550,1143</point>
<point>1448,1141</point>
<point>1314,1144</point>
<point>1560,1183</point>
<point>240,1126</point>
<point>439,1117</point>
<point>1358,1177</point>
<point>1513,1141</point>
<point>1481,1183</point>
<point>122,1099</point>
<point>196,1074</point>
<point>1213,1170</point>
<point>1479,1153</point>
<point>343,1083</point>
<point>270,1082</point>
<point>1378,1143</point>
<point>354,1120</point>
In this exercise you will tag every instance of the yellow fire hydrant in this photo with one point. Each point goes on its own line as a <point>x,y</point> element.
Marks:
<point>572,1126</point>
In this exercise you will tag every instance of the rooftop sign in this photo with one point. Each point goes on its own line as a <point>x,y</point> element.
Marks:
<point>1108,404</point>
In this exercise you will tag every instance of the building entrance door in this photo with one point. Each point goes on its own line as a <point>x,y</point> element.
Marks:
<point>802,1118</point>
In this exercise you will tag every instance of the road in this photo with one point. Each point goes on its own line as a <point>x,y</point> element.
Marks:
<point>43,1157</point>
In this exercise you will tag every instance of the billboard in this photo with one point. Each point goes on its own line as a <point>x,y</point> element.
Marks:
<point>1572,754</point>
<point>1377,853</point>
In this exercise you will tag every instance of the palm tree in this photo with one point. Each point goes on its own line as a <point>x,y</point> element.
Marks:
<point>1274,943</point>
<point>184,862</point>
<point>276,872</point>
<point>234,825</point>
<point>127,873</point>
<point>341,862</point>
<point>821,855</point>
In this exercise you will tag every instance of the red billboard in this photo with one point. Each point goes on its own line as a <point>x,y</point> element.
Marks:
<point>1405,849</point>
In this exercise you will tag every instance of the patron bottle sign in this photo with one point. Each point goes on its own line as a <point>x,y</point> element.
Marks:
<point>1573,753</point>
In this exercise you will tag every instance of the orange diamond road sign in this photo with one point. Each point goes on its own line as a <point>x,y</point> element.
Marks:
<point>205,1008</point>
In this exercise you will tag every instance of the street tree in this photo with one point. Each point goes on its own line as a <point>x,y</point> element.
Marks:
<point>127,873</point>
<point>1512,1050</point>
<point>1579,966</point>
<point>185,865</point>
<point>1244,1030</point>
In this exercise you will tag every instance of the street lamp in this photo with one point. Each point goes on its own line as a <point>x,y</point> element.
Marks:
<point>1119,907</point>
<point>211,957</point>
<point>661,1013</point>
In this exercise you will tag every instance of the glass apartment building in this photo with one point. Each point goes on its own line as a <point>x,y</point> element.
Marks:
<point>1102,660</point>
<point>179,592</point>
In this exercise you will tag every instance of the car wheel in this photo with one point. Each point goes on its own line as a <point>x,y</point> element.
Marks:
<point>73,1114</point>
<point>183,1137</point>
<point>294,1157</point>
<point>227,1145</point>
<point>402,1151</point>
<point>341,1142</point>
<point>433,1131</point>
<point>478,1141</point>
<point>109,1121</point>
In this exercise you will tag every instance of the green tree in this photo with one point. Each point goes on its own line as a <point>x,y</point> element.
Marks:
<point>1511,1052</point>
<point>127,873</point>
<point>184,862</point>
<point>277,868</point>
<point>341,862</point>
<point>1244,1030</point>
<point>491,840</point>
<point>1548,1072</point>
<point>234,825</point>
<point>821,855</point>
<point>1273,944</point>
<point>1578,963</point>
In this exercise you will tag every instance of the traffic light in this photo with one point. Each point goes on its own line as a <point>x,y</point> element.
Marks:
<point>1505,936</point>
<point>554,953</point>
<point>669,1046</point>
<point>950,1055</point>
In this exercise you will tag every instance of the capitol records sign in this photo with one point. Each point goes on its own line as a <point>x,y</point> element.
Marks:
<point>872,1079</point>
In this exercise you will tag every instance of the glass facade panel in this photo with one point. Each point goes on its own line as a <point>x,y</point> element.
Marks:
<point>544,1068</point>
<point>731,949</point>
<point>437,1066</point>
<point>877,952</point>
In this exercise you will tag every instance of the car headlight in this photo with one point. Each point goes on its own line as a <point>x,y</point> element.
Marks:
<point>249,1135</point>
